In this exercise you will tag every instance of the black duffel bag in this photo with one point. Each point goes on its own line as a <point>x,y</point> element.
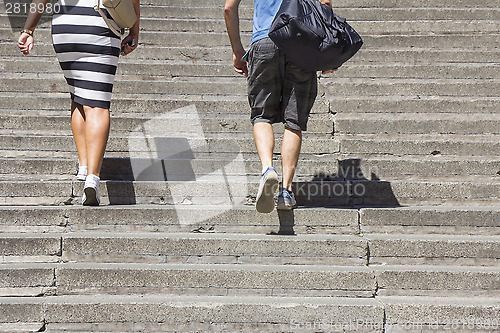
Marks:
<point>312,36</point>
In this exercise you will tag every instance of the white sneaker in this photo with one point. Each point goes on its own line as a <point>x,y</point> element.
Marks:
<point>267,187</point>
<point>82,173</point>
<point>91,191</point>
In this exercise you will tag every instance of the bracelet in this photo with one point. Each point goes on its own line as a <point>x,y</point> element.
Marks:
<point>26,31</point>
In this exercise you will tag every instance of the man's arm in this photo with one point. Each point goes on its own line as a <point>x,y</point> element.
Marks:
<point>233,30</point>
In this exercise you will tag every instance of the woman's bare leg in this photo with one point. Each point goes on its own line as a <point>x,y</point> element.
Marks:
<point>78,129</point>
<point>96,137</point>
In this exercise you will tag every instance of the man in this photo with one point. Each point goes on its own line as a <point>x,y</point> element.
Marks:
<point>278,91</point>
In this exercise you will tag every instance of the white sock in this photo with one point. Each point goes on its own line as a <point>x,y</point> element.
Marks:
<point>82,170</point>
<point>92,180</point>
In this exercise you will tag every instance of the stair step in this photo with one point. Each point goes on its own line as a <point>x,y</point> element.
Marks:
<point>222,54</point>
<point>425,39</point>
<point>126,313</point>
<point>220,279</point>
<point>223,68</point>
<point>425,249</point>
<point>237,86</point>
<point>192,248</point>
<point>445,219</point>
<point>214,248</point>
<point>188,312</point>
<point>416,123</point>
<point>221,191</point>
<point>184,145</point>
<point>325,167</point>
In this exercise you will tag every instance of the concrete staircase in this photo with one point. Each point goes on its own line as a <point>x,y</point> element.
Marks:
<point>398,184</point>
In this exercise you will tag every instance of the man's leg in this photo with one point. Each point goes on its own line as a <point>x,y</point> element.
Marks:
<point>290,151</point>
<point>264,142</point>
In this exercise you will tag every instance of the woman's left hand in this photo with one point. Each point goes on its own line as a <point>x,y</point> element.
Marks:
<point>129,44</point>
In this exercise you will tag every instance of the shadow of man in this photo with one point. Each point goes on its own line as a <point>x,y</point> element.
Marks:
<point>348,187</point>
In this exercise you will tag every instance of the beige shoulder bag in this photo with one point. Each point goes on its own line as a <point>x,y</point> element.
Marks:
<point>122,12</point>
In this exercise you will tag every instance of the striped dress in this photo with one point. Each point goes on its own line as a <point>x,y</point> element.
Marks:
<point>87,51</point>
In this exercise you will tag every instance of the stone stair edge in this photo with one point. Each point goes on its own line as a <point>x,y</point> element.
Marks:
<point>140,266</point>
<point>162,235</point>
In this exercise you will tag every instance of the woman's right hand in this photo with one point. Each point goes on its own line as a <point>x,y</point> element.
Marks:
<point>25,43</point>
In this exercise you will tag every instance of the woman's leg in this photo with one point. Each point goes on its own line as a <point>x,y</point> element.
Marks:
<point>78,129</point>
<point>96,137</point>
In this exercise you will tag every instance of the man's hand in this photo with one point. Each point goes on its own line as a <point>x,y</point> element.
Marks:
<point>240,66</point>
<point>328,71</point>
<point>326,2</point>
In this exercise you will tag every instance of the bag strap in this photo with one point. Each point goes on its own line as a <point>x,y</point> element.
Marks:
<point>112,25</point>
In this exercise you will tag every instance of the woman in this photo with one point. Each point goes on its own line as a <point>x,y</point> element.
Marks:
<point>88,53</point>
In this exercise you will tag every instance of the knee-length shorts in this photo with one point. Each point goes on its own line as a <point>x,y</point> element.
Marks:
<point>278,91</point>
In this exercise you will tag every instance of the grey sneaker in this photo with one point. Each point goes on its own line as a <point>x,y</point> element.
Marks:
<point>267,187</point>
<point>286,200</point>
<point>91,191</point>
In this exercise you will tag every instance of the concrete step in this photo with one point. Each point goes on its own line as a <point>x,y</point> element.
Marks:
<point>166,218</point>
<point>446,281</point>
<point>421,313</point>
<point>416,123</point>
<point>331,166</point>
<point>197,54</point>
<point>375,26</point>
<point>49,122</point>
<point>40,103</point>
<point>444,219</point>
<point>344,123</point>
<point>419,144</point>
<point>192,248</point>
<point>411,87</point>
<point>170,69</point>
<point>251,279</point>
<point>237,86</point>
<point>414,104</point>
<point>220,279</point>
<point>425,39</point>
<point>201,313</point>
<point>265,314</point>
<point>360,14</point>
<point>176,146</point>
<point>352,14</point>
<point>140,104</point>
<point>431,220</point>
<point>229,191</point>
<point>185,146</point>
<point>217,248</point>
<point>429,249</point>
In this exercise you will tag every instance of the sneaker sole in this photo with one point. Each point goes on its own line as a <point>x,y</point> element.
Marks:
<point>284,207</point>
<point>90,197</point>
<point>82,178</point>
<point>265,202</point>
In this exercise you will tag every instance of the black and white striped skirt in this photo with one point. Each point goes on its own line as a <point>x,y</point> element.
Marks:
<point>87,51</point>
